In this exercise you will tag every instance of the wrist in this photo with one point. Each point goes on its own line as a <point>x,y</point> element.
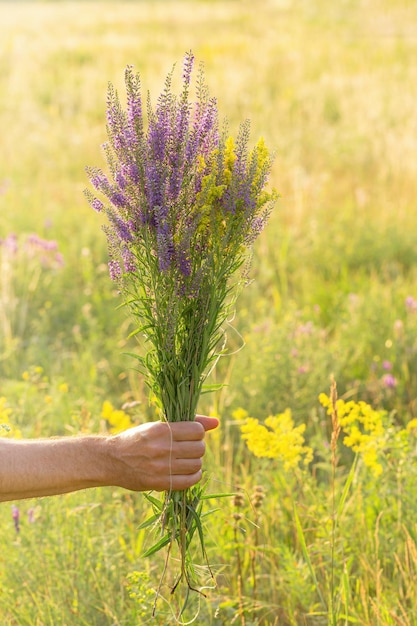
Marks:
<point>100,463</point>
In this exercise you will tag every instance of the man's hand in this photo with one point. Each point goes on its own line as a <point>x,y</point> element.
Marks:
<point>160,455</point>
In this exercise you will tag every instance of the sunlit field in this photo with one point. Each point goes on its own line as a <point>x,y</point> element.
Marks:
<point>320,527</point>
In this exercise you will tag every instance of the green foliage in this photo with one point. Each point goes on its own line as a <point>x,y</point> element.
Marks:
<point>332,87</point>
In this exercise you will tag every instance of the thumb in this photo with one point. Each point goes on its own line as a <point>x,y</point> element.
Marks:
<point>208,423</point>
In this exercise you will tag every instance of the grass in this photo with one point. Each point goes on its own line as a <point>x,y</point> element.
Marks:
<point>332,87</point>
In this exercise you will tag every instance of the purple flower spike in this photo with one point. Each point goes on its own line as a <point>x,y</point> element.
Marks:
<point>97,205</point>
<point>115,270</point>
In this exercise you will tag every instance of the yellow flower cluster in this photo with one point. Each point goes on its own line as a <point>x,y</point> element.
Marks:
<point>364,429</point>
<point>117,419</point>
<point>277,438</point>
<point>412,426</point>
<point>6,429</point>
<point>208,198</point>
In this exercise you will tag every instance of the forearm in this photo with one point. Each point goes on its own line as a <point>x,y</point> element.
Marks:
<point>154,456</point>
<point>52,466</point>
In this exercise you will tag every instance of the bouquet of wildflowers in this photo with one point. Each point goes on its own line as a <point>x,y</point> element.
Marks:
<point>184,203</point>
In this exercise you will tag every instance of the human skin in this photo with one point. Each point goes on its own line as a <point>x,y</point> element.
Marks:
<point>154,456</point>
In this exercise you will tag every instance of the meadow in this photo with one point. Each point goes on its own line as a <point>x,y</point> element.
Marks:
<point>321,524</point>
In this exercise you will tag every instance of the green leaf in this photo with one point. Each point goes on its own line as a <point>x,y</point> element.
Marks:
<point>197,526</point>
<point>210,496</point>
<point>214,387</point>
<point>154,501</point>
<point>149,522</point>
<point>164,541</point>
<point>135,356</point>
<point>346,487</point>
<point>134,332</point>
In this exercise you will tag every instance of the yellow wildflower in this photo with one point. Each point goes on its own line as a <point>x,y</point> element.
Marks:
<point>262,157</point>
<point>239,414</point>
<point>355,439</point>
<point>6,429</point>
<point>229,159</point>
<point>370,458</point>
<point>5,411</point>
<point>117,419</point>
<point>364,429</point>
<point>412,425</point>
<point>278,439</point>
<point>63,387</point>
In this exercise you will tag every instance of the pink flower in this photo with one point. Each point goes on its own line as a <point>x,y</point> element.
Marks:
<point>389,381</point>
<point>411,303</point>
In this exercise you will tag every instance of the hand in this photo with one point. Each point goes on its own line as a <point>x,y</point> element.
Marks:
<point>160,455</point>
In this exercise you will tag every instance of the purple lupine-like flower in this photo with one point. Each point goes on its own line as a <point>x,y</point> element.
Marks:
<point>99,180</point>
<point>184,261</point>
<point>115,270</point>
<point>154,191</point>
<point>118,199</point>
<point>179,131</point>
<point>117,124</point>
<point>256,227</point>
<point>97,205</point>
<point>165,247</point>
<point>122,228</point>
<point>134,108</point>
<point>131,171</point>
<point>203,136</point>
<point>187,69</point>
<point>129,261</point>
<point>121,180</point>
